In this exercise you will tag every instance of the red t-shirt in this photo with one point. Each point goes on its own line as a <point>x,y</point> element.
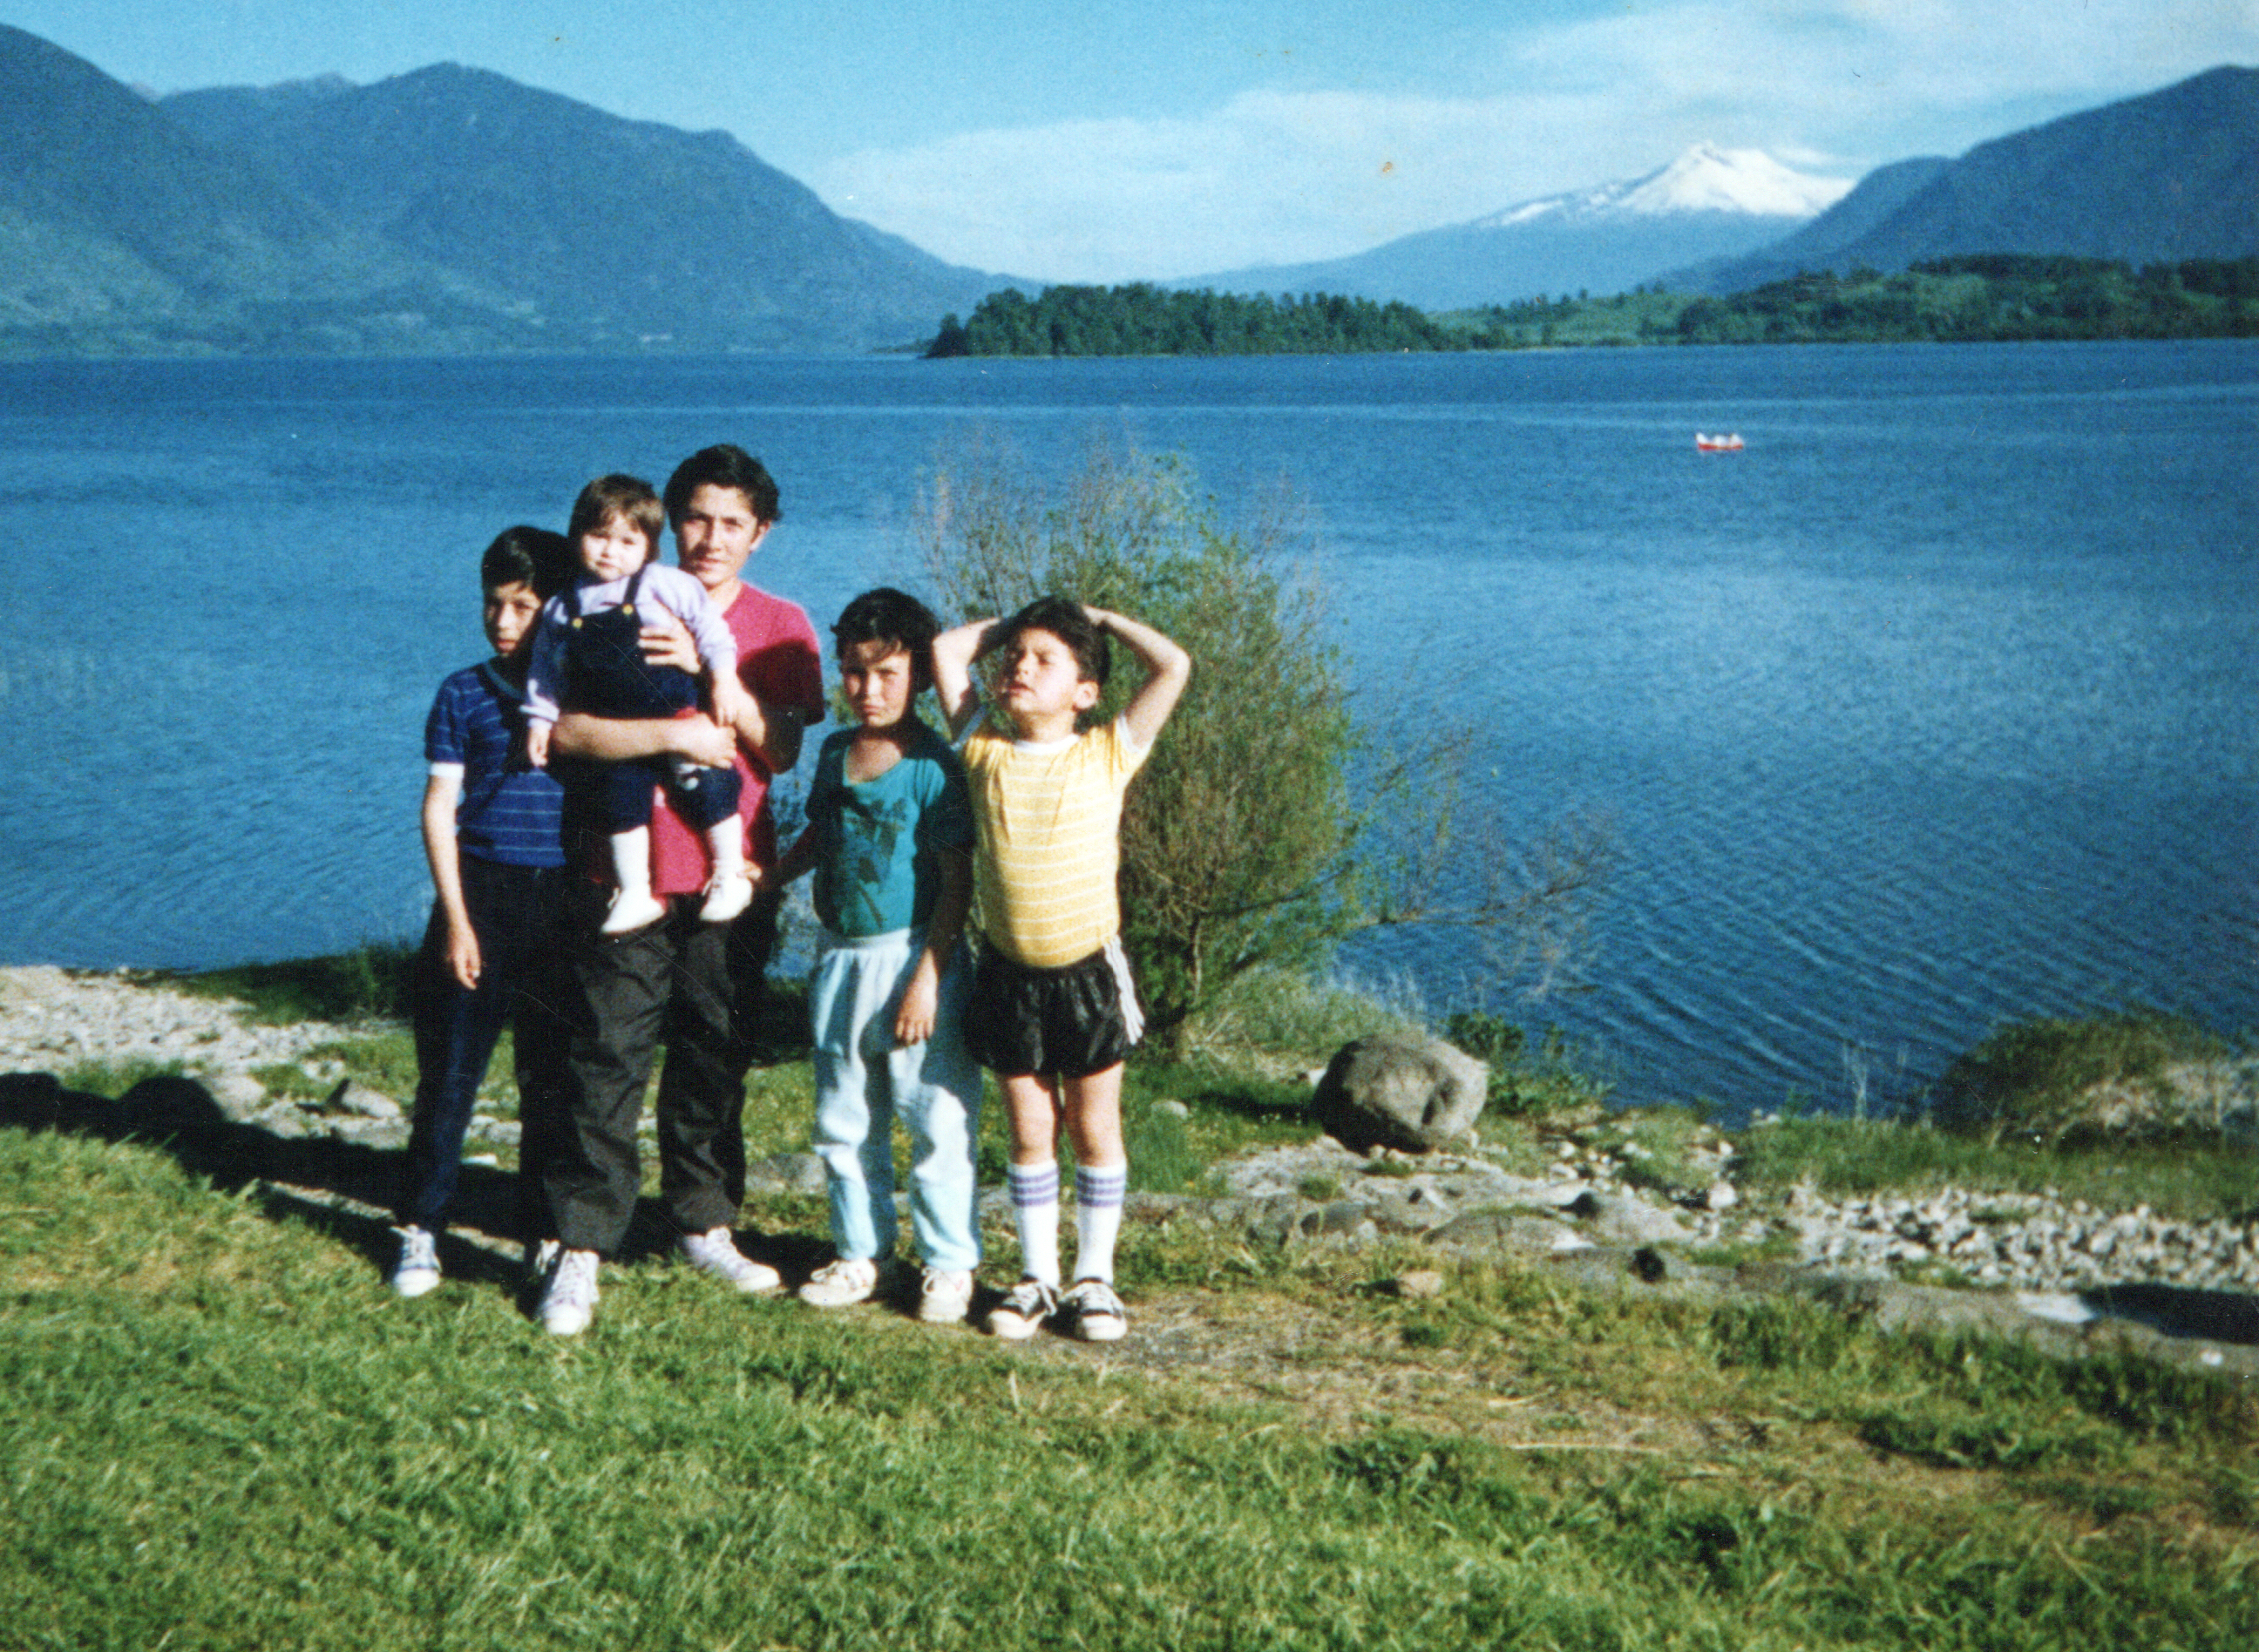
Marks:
<point>781,664</point>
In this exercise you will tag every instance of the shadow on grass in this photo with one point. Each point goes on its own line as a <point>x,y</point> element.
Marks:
<point>2172,1310</point>
<point>1265,1100</point>
<point>178,1116</point>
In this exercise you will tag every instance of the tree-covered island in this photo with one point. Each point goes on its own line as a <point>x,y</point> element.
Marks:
<point>1966,300</point>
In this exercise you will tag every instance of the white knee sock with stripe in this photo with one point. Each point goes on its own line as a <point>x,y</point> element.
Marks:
<point>1099,1191</point>
<point>1036,1212</point>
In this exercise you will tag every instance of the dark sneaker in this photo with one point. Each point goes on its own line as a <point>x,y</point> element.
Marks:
<point>1023,1310</point>
<point>1093,1313</point>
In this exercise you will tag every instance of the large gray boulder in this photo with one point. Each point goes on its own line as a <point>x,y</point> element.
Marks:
<point>1408,1091</point>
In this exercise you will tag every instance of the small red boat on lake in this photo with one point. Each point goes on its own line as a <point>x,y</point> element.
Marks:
<point>1718,443</point>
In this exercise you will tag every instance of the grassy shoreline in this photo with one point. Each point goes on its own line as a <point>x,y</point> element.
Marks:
<point>224,1431</point>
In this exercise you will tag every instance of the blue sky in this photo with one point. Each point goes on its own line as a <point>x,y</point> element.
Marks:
<point>1067,140</point>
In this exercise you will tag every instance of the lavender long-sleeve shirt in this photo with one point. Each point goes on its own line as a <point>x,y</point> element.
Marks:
<point>668,588</point>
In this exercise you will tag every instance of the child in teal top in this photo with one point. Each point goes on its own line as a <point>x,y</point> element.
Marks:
<point>889,838</point>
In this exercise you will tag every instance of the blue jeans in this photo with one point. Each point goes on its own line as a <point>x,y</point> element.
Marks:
<point>513,914</point>
<point>864,1081</point>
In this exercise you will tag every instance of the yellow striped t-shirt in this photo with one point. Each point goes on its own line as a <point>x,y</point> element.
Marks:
<point>1049,826</point>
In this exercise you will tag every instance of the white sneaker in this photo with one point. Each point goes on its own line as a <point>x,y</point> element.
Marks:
<point>631,909</point>
<point>728,893</point>
<point>944,1296</point>
<point>842,1284</point>
<point>417,1270</point>
<point>570,1301</point>
<point>1092,1311</point>
<point>1023,1310</point>
<point>716,1253</point>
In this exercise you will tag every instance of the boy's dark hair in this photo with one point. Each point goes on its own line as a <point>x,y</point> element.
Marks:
<point>723,466</point>
<point>1067,621</point>
<point>537,557</point>
<point>617,496</point>
<point>888,615</point>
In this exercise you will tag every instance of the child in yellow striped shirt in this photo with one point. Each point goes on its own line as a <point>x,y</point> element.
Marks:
<point>1054,1011</point>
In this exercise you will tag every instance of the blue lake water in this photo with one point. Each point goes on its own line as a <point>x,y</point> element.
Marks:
<point>1934,707</point>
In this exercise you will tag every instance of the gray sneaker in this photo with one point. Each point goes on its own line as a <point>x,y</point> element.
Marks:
<point>417,1270</point>
<point>1023,1310</point>
<point>842,1284</point>
<point>1093,1313</point>
<point>570,1301</point>
<point>715,1252</point>
<point>945,1295</point>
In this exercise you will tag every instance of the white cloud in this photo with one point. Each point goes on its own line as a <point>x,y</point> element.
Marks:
<point>1282,177</point>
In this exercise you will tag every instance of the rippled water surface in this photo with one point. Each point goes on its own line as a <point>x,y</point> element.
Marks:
<point>1932,707</point>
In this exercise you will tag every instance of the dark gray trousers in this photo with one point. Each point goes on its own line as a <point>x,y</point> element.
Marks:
<point>697,987</point>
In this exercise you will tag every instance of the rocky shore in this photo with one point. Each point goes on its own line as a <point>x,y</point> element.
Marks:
<point>1599,1201</point>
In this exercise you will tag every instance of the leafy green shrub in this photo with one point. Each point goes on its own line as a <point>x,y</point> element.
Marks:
<point>2054,1079</point>
<point>1485,1036</point>
<point>1243,847</point>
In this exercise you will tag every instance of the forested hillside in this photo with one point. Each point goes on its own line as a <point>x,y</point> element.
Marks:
<point>1955,300</point>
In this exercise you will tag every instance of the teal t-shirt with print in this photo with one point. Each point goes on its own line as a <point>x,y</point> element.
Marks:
<point>879,843</point>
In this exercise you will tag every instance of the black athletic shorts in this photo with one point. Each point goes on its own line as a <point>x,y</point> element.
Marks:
<point>1071,1021</point>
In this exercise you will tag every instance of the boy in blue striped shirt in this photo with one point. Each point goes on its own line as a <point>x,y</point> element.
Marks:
<point>491,833</point>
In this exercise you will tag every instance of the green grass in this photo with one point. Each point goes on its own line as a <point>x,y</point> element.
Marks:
<point>223,1431</point>
<point>2037,1078</point>
<point>2191,1181</point>
<point>114,1079</point>
<point>369,982</point>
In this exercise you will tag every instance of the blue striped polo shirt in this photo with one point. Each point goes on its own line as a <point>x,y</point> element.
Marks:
<point>508,813</point>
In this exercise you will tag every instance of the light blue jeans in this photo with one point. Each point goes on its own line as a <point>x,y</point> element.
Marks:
<point>863,1082</point>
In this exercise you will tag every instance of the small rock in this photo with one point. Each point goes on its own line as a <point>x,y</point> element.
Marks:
<point>1721,1196</point>
<point>1419,1284</point>
<point>1173,1107</point>
<point>370,1132</point>
<point>241,1096</point>
<point>355,1097</point>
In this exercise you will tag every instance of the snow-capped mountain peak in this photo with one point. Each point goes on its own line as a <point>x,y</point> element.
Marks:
<point>1705,179</point>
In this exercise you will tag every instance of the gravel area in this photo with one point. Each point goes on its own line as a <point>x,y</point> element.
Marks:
<point>2062,1261</point>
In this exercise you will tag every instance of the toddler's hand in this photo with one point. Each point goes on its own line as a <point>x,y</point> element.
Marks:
<point>537,743</point>
<point>730,700</point>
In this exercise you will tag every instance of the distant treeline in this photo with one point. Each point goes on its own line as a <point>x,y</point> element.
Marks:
<point>1144,320</point>
<point>1990,296</point>
<point>1967,299</point>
